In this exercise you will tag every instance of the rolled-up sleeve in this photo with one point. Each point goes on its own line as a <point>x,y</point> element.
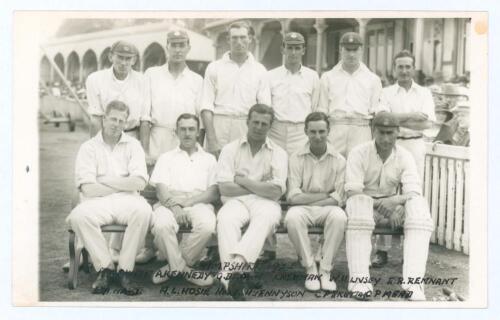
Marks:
<point>294,176</point>
<point>209,88</point>
<point>428,105</point>
<point>225,166</point>
<point>212,172</point>
<point>137,161</point>
<point>384,104</point>
<point>354,172</point>
<point>95,108</point>
<point>375,96</point>
<point>279,167</point>
<point>85,166</point>
<point>160,173</point>
<point>339,193</point>
<point>409,176</point>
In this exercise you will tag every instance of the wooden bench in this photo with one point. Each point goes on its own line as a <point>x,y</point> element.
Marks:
<point>150,195</point>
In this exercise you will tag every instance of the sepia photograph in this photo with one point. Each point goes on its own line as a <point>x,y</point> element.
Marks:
<point>321,158</point>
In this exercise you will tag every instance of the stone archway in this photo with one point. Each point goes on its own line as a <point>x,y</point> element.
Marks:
<point>89,64</point>
<point>59,61</point>
<point>154,55</point>
<point>73,69</point>
<point>45,71</point>
<point>104,61</point>
<point>271,38</point>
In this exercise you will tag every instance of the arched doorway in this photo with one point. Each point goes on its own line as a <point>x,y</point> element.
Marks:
<point>104,61</point>
<point>154,55</point>
<point>271,39</point>
<point>89,63</point>
<point>306,28</point>
<point>73,71</point>
<point>59,60</point>
<point>45,70</point>
<point>336,28</point>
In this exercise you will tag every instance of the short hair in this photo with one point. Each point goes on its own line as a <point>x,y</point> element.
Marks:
<point>317,116</point>
<point>241,24</point>
<point>262,109</point>
<point>186,116</point>
<point>117,105</point>
<point>403,54</point>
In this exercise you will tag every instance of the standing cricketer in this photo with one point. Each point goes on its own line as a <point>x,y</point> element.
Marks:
<point>171,90</point>
<point>251,176</point>
<point>294,94</point>
<point>186,187</point>
<point>413,106</point>
<point>349,95</point>
<point>119,82</point>
<point>231,86</point>
<point>316,193</point>
<point>374,171</point>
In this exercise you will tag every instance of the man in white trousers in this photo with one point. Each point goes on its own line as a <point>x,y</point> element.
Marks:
<point>413,106</point>
<point>170,90</point>
<point>251,176</point>
<point>374,171</point>
<point>186,187</point>
<point>294,94</point>
<point>349,95</point>
<point>110,171</point>
<point>316,193</point>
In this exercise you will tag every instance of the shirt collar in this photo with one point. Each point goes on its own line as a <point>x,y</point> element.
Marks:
<point>412,87</point>
<point>183,73</point>
<point>299,72</point>
<point>362,68</point>
<point>250,58</point>
<point>306,149</point>
<point>112,75</point>
<point>267,143</point>
<point>124,138</point>
<point>391,156</point>
<point>199,149</point>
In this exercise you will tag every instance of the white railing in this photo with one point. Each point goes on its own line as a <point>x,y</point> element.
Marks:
<point>447,188</point>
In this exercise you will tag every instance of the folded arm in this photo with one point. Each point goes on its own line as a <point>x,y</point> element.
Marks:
<point>263,189</point>
<point>133,183</point>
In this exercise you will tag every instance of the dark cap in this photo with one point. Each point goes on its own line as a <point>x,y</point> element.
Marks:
<point>351,39</point>
<point>124,48</point>
<point>293,38</point>
<point>385,119</point>
<point>177,36</point>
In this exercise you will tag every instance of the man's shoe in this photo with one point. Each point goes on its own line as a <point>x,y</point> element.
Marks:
<point>236,287</point>
<point>312,282</point>
<point>361,291</point>
<point>145,255</point>
<point>199,278</point>
<point>417,292</point>
<point>211,259</point>
<point>267,256</point>
<point>161,275</point>
<point>327,283</point>
<point>380,259</point>
<point>101,284</point>
<point>126,284</point>
<point>65,267</point>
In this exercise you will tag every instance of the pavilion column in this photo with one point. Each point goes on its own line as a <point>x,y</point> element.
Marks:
<point>418,36</point>
<point>362,23</point>
<point>320,27</point>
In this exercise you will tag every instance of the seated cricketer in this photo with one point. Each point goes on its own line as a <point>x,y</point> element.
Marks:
<point>374,171</point>
<point>316,191</point>
<point>185,184</point>
<point>252,177</point>
<point>110,171</point>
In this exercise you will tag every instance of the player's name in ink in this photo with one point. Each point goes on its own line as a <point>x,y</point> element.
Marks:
<point>122,291</point>
<point>220,291</point>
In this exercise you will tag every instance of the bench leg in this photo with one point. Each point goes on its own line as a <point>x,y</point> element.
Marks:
<point>86,265</point>
<point>74,262</point>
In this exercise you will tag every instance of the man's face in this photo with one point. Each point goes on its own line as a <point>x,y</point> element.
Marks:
<point>258,126</point>
<point>177,51</point>
<point>293,53</point>
<point>385,137</point>
<point>404,69</point>
<point>187,132</point>
<point>122,64</point>
<point>317,132</point>
<point>239,40</point>
<point>114,122</point>
<point>463,118</point>
<point>350,55</point>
